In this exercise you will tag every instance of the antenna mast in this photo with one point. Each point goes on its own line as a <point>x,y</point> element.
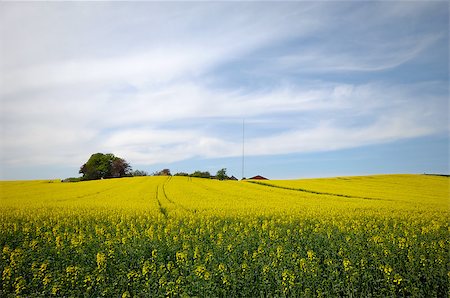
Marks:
<point>243,146</point>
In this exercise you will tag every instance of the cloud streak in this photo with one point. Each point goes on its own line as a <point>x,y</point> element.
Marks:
<point>163,83</point>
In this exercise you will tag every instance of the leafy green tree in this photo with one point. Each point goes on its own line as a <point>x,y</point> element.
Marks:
<point>163,172</point>
<point>181,174</point>
<point>222,174</point>
<point>102,165</point>
<point>95,168</point>
<point>200,174</point>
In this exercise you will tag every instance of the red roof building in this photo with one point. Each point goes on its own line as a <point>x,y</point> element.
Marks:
<point>258,177</point>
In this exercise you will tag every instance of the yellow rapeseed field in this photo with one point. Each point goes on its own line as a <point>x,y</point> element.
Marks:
<point>376,236</point>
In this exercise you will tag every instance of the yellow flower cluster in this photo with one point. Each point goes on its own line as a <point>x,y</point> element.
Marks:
<point>384,235</point>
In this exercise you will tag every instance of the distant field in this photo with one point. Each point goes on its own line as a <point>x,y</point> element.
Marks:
<point>385,235</point>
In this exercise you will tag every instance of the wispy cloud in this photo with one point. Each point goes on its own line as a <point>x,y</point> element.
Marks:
<point>377,56</point>
<point>157,82</point>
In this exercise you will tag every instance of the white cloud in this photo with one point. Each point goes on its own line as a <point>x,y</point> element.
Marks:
<point>180,44</point>
<point>138,79</point>
<point>134,127</point>
<point>54,134</point>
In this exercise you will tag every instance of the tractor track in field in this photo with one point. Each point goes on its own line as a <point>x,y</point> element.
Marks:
<point>170,200</point>
<point>316,192</point>
<point>93,193</point>
<point>161,207</point>
<point>164,191</point>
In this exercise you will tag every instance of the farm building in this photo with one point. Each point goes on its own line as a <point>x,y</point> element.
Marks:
<point>258,177</point>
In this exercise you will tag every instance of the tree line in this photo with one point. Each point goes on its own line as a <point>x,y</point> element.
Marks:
<point>106,166</point>
<point>220,175</point>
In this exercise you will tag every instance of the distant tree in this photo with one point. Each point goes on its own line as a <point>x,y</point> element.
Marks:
<point>181,174</point>
<point>72,179</point>
<point>119,167</point>
<point>196,174</point>
<point>200,174</point>
<point>166,172</point>
<point>102,165</point>
<point>96,167</point>
<point>163,172</point>
<point>222,174</point>
<point>139,173</point>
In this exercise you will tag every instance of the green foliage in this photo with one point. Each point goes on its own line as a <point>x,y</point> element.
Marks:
<point>163,172</point>
<point>138,173</point>
<point>101,166</point>
<point>228,256</point>
<point>72,179</point>
<point>199,174</point>
<point>181,174</point>
<point>222,174</point>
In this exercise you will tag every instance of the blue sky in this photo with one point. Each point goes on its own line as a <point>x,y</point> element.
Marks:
<point>326,89</point>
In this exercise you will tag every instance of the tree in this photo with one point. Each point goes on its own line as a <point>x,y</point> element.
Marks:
<point>102,165</point>
<point>95,168</point>
<point>163,172</point>
<point>200,174</point>
<point>181,174</point>
<point>119,167</point>
<point>139,173</point>
<point>222,174</point>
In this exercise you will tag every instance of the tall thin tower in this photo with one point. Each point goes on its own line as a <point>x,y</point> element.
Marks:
<point>243,146</point>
